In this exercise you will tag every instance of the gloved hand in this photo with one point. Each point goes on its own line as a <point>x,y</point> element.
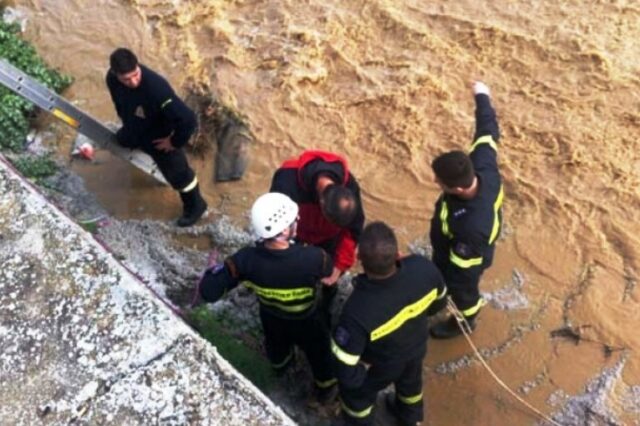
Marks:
<point>481,88</point>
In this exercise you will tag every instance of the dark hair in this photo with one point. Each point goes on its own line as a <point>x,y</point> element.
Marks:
<point>378,249</point>
<point>454,169</point>
<point>339,205</point>
<point>123,61</point>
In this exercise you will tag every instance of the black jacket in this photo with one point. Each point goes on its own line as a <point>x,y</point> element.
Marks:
<point>385,321</point>
<point>285,281</point>
<point>463,232</point>
<point>151,111</point>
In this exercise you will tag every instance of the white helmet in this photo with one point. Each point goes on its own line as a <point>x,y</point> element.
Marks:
<point>272,213</point>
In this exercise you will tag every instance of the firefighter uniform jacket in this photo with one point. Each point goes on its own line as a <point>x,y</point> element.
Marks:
<point>285,281</point>
<point>463,232</point>
<point>151,111</point>
<point>297,179</point>
<point>385,321</point>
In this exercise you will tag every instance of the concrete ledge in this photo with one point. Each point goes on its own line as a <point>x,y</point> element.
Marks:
<point>83,341</point>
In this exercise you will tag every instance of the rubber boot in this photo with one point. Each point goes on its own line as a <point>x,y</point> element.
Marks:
<point>194,207</point>
<point>326,395</point>
<point>449,328</point>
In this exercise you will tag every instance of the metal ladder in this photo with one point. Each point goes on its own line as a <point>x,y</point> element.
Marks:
<point>32,90</point>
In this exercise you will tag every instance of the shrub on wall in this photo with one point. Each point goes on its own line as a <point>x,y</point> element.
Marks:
<point>14,110</point>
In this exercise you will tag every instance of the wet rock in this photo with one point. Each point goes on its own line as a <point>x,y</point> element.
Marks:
<point>511,296</point>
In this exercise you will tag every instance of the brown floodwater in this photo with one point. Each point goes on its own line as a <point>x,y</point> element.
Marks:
<point>387,84</point>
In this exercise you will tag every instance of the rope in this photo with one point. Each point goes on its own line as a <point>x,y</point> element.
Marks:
<point>464,326</point>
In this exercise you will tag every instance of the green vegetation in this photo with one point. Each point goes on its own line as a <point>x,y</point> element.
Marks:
<point>251,364</point>
<point>35,167</point>
<point>14,110</point>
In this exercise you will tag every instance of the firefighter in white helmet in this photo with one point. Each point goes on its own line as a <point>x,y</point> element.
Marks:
<point>286,278</point>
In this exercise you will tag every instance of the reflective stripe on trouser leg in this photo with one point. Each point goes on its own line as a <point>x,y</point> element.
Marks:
<point>409,396</point>
<point>413,399</point>
<point>281,364</point>
<point>353,412</point>
<point>191,185</point>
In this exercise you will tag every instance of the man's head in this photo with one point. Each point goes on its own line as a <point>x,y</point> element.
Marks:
<point>124,64</point>
<point>454,171</point>
<point>378,249</point>
<point>338,204</point>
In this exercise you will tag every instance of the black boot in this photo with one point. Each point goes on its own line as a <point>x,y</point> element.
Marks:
<point>194,207</point>
<point>450,328</point>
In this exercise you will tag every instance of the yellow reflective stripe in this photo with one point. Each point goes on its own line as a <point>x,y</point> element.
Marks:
<point>165,103</point>
<point>488,139</point>
<point>410,399</point>
<point>464,263</point>
<point>189,187</point>
<point>496,217</point>
<point>353,413</point>
<point>66,118</point>
<point>444,214</point>
<point>283,363</point>
<point>443,294</point>
<point>326,383</point>
<point>343,356</point>
<point>474,309</point>
<point>287,308</point>
<point>407,313</point>
<point>281,294</point>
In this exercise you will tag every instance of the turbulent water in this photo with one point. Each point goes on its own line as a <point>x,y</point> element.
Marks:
<point>387,83</point>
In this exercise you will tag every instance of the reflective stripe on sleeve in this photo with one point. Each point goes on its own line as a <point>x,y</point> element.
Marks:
<point>165,103</point>
<point>410,399</point>
<point>464,263</point>
<point>407,313</point>
<point>496,216</point>
<point>488,139</point>
<point>357,414</point>
<point>474,309</point>
<point>343,356</point>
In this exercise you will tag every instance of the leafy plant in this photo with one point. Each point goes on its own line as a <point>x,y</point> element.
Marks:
<point>251,364</point>
<point>14,110</point>
<point>35,167</point>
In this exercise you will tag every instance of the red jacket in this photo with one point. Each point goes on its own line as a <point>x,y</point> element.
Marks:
<point>297,178</point>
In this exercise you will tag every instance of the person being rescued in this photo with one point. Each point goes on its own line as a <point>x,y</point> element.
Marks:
<point>331,213</point>
<point>285,276</point>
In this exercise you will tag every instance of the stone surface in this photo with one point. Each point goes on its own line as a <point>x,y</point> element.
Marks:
<point>83,341</point>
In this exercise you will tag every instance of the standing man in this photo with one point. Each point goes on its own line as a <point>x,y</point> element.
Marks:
<point>285,277</point>
<point>468,215</point>
<point>156,121</point>
<point>328,195</point>
<point>381,337</point>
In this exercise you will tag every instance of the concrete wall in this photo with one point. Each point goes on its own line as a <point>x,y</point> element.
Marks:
<point>83,341</point>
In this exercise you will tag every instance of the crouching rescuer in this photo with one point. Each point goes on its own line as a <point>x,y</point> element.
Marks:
<point>381,337</point>
<point>285,277</point>
<point>156,121</point>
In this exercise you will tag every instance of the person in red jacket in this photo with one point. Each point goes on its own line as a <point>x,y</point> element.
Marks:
<point>328,195</point>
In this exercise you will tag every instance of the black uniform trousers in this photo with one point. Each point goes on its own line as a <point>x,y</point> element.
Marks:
<point>310,334</point>
<point>173,164</point>
<point>407,378</point>
<point>466,294</point>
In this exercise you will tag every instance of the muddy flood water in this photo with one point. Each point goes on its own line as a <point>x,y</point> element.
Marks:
<point>387,83</point>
